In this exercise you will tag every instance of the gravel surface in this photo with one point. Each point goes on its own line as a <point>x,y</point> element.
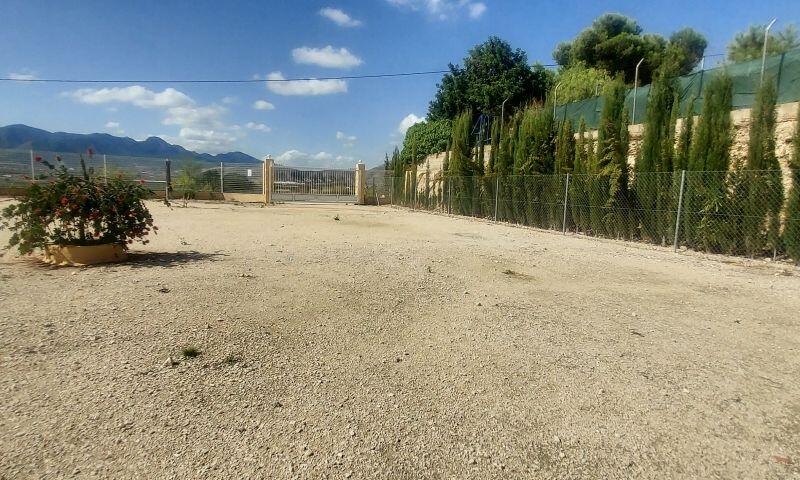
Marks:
<point>396,344</point>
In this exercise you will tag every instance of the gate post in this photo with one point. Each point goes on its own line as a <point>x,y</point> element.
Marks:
<point>361,184</point>
<point>266,184</point>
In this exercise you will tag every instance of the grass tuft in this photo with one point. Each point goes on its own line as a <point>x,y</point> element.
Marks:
<point>190,351</point>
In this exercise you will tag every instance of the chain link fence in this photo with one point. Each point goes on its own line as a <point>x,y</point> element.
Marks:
<point>736,213</point>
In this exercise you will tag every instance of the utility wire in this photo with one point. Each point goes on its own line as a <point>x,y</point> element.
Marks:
<point>249,80</point>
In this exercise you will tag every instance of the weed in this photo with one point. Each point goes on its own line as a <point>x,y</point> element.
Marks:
<point>190,351</point>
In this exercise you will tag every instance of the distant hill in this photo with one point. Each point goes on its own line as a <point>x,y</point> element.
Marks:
<point>25,137</point>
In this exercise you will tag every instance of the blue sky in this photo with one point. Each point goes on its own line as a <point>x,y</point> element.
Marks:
<point>324,123</point>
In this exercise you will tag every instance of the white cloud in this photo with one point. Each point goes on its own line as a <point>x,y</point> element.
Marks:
<point>339,17</point>
<point>257,126</point>
<point>23,75</point>
<point>135,95</point>
<point>327,57</point>
<point>304,87</point>
<point>443,9</point>
<point>344,136</point>
<point>114,127</point>
<point>202,140</point>
<point>230,100</point>
<point>263,105</point>
<point>297,158</point>
<point>194,116</point>
<point>476,10</point>
<point>407,122</point>
<point>201,127</point>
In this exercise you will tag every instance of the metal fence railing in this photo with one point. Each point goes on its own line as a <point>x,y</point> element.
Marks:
<point>313,184</point>
<point>19,168</point>
<point>737,212</point>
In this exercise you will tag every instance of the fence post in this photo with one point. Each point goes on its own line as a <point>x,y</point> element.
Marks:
<point>680,210</point>
<point>361,184</point>
<point>566,196</point>
<point>391,193</point>
<point>266,180</point>
<point>449,195</point>
<point>33,169</point>
<point>496,195</point>
<point>167,177</point>
<point>221,180</point>
<point>105,169</point>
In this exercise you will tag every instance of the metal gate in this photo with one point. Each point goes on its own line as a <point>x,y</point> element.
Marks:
<point>305,184</point>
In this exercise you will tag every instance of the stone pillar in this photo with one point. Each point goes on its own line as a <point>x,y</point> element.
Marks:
<point>268,169</point>
<point>361,184</point>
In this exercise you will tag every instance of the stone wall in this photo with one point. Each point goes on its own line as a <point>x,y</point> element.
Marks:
<point>787,121</point>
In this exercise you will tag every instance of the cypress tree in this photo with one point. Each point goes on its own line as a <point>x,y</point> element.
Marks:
<point>565,148</point>
<point>712,143</point>
<point>578,186</point>
<point>685,139</point>
<point>611,187</point>
<point>504,167</point>
<point>708,205</point>
<point>764,189</point>
<point>462,164</point>
<point>791,233</point>
<point>653,189</point>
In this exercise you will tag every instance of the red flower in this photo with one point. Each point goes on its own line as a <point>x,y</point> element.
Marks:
<point>38,159</point>
<point>64,200</point>
<point>90,151</point>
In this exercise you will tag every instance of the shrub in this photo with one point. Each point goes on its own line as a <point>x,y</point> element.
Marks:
<point>791,233</point>
<point>78,210</point>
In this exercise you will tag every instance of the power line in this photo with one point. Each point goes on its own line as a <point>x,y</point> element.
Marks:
<point>249,80</point>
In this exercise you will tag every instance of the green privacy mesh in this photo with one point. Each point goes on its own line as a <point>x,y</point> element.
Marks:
<point>783,69</point>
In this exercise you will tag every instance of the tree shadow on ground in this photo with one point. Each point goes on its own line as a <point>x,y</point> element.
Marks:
<point>169,259</point>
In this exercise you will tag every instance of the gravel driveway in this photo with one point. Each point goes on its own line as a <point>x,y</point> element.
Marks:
<point>396,344</point>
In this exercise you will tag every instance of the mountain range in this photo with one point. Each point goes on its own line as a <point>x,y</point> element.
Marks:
<point>23,137</point>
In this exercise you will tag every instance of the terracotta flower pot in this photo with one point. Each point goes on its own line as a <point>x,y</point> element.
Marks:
<point>78,255</point>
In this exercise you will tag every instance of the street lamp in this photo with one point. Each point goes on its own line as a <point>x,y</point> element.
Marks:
<point>635,88</point>
<point>555,99</point>
<point>764,53</point>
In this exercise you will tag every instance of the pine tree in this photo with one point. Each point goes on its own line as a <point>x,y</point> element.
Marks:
<point>764,189</point>
<point>791,232</point>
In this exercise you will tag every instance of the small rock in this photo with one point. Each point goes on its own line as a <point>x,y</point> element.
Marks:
<point>170,362</point>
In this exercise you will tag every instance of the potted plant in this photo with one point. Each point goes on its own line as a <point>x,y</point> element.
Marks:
<point>78,220</point>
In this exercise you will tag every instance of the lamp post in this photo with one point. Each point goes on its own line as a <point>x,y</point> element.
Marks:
<point>764,52</point>
<point>555,99</point>
<point>635,88</point>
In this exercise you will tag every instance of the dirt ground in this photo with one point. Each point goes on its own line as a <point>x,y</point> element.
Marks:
<point>396,344</point>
